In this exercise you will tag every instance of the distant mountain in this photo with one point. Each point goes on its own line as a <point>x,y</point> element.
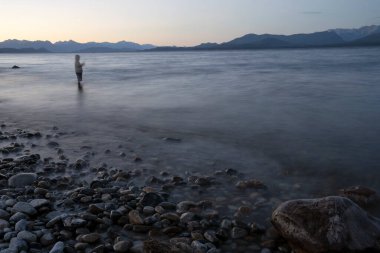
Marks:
<point>366,36</point>
<point>371,40</point>
<point>356,34</point>
<point>72,46</point>
<point>296,40</point>
<point>22,50</point>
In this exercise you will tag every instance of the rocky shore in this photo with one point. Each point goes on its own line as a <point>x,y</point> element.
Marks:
<point>57,204</point>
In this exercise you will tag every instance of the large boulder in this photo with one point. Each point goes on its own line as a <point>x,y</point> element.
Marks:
<point>331,224</point>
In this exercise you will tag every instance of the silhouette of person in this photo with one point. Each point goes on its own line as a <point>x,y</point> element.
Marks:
<point>79,70</point>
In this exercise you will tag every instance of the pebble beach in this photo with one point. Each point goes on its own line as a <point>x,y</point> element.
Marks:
<point>57,204</point>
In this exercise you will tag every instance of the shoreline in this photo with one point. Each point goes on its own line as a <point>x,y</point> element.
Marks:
<point>134,204</point>
<point>54,203</point>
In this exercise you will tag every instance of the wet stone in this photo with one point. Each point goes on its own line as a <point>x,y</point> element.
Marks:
<point>210,236</point>
<point>24,208</point>
<point>187,217</point>
<point>199,247</point>
<point>122,246</point>
<point>18,244</point>
<point>22,180</point>
<point>4,214</point>
<point>151,199</point>
<point>238,233</point>
<point>37,203</point>
<point>135,218</point>
<point>18,216</point>
<point>91,238</point>
<point>53,144</point>
<point>21,225</point>
<point>3,224</point>
<point>148,210</point>
<point>47,239</point>
<point>170,216</point>
<point>27,236</point>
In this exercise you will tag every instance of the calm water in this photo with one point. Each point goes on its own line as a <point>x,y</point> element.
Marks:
<point>310,117</point>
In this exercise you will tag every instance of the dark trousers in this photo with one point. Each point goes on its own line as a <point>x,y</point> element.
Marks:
<point>79,76</point>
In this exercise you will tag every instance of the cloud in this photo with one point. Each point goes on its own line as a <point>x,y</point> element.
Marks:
<point>311,12</point>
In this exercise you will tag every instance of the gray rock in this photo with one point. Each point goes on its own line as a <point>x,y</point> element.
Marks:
<point>21,225</point>
<point>18,244</point>
<point>185,206</point>
<point>22,180</point>
<point>58,248</point>
<point>4,214</point>
<point>37,203</point>
<point>187,217</point>
<point>24,208</point>
<point>9,251</point>
<point>170,216</point>
<point>156,246</point>
<point>71,222</point>
<point>210,236</point>
<point>148,210</point>
<point>27,236</point>
<point>341,226</point>
<point>360,194</point>
<point>237,232</point>
<point>47,239</point>
<point>199,247</point>
<point>18,216</point>
<point>138,247</point>
<point>135,218</point>
<point>9,235</point>
<point>91,238</point>
<point>3,224</point>
<point>151,199</point>
<point>10,202</point>
<point>226,224</point>
<point>122,246</point>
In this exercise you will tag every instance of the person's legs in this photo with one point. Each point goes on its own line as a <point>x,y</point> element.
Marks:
<point>79,77</point>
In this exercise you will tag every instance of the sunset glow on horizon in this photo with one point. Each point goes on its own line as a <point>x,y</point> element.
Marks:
<point>177,22</point>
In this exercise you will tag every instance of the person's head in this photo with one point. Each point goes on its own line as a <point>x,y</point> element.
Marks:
<point>77,57</point>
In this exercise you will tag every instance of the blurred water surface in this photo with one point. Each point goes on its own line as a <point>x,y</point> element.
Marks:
<point>298,116</point>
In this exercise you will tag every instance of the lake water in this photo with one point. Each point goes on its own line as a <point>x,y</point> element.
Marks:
<point>306,117</point>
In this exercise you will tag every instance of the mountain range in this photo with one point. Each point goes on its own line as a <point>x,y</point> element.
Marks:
<point>364,36</point>
<point>71,46</point>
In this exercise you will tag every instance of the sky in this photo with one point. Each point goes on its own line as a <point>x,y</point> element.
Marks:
<point>177,22</point>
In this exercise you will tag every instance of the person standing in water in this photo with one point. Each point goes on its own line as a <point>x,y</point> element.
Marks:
<point>79,70</point>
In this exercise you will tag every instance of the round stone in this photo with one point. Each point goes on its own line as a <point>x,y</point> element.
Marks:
<point>122,246</point>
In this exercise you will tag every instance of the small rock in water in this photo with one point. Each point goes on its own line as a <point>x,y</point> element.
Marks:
<point>22,180</point>
<point>15,67</point>
<point>151,199</point>
<point>171,139</point>
<point>252,183</point>
<point>53,144</point>
<point>360,194</point>
<point>238,232</point>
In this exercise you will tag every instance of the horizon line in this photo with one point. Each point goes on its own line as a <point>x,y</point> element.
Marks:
<point>114,42</point>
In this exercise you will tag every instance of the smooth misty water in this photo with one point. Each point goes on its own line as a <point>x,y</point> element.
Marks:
<point>310,117</point>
